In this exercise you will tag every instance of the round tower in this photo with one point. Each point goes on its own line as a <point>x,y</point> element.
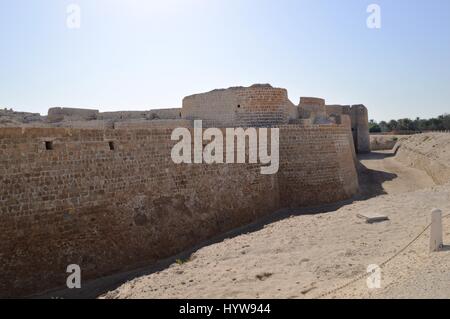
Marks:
<point>260,105</point>
<point>314,109</point>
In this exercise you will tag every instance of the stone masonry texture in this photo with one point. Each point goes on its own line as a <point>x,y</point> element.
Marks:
<point>112,200</point>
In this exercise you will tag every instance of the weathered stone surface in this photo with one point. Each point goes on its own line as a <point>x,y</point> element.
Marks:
<point>256,106</point>
<point>359,124</point>
<point>58,114</point>
<point>111,199</point>
<point>10,118</point>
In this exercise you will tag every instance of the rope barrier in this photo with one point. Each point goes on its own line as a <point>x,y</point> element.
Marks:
<point>383,264</point>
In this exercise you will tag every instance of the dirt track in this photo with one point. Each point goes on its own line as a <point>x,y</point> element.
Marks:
<point>382,173</point>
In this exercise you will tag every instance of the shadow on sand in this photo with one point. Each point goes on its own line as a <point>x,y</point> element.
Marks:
<point>370,186</point>
<point>371,181</point>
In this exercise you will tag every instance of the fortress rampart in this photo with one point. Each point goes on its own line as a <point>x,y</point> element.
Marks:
<point>359,119</point>
<point>260,105</point>
<point>257,106</point>
<point>112,200</point>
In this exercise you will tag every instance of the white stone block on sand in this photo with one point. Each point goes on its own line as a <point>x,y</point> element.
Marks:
<point>373,217</point>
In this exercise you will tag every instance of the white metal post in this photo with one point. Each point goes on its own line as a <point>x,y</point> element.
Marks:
<point>436,237</point>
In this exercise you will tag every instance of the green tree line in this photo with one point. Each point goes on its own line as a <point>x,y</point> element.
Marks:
<point>440,123</point>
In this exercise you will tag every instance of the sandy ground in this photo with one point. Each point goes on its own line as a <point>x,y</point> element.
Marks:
<point>306,253</point>
<point>381,173</point>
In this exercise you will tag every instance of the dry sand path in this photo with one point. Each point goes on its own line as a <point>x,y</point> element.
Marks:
<point>381,173</point>
<point>308,252</point>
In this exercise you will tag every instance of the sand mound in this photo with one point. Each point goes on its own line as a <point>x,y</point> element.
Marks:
<point>429,152</point>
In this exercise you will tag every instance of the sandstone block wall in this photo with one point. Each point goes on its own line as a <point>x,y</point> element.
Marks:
<point>256,106</point>
<point>359,123</point>
<point>80,124</point>
<point>113,200</point>
<point>313,108</point>
<point>58,114</point>
<point>158,114</point>
<point>166,114</point>
<point>71,117</point>
<point>8,117</point>
<point>316,165</point>
<point>360,126</point>
<point>143,124</point>
<point>338,109</point>
<point>345,121</point>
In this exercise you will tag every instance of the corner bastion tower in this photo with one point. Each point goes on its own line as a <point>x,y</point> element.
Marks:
<point>100,189</point>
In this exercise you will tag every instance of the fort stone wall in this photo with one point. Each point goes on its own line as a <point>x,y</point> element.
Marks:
<point>359,118</point>
<point>316,165</point>
<point>100,190</point>
<point>57,114</point>
<point>145,124</point>
<point>113,200</point>
<point>360,125</point>
<point>256,106</point>
<point>314,109</point>
<point>157,114</point>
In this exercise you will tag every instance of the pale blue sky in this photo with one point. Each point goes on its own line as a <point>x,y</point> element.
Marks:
<point>142,54</point>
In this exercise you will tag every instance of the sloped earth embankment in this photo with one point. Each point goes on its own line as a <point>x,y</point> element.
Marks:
<point>427,152</point>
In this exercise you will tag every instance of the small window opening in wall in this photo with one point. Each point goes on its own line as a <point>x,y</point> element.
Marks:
<point>111,146</point>
<point>48,145</point>
<point>239,106</point>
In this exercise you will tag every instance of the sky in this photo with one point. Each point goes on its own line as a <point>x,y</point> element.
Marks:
<point>146,54</point>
